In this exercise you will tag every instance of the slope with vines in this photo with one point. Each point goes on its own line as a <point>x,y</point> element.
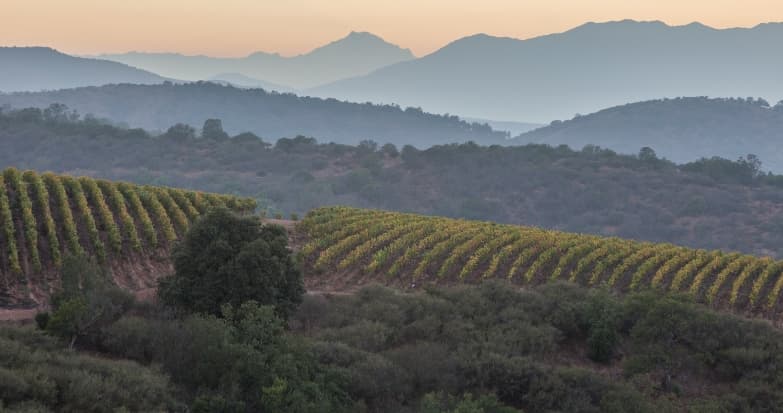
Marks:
<point>44,217</point>
<point>407,249</point>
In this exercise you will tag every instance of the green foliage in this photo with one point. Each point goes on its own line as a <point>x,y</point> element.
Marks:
<point>172,209</point>
<point>7,220</point>
<point>229,259</point>
<point>25,206</point>
<point>213,129</point>
<point>241,362</point>
<point>36,375</point>
<point>76,193</point>
<point>42,205</point>
<point>603,338</point>
<point>147,226</point>
<point>531,350</point>
<point>98,202</point>
<point>151,202</point>
<point>55,185</point>
<point>118,204</point>
<point>595,191</point>
<point>440,403</point>
<point>86,303</point>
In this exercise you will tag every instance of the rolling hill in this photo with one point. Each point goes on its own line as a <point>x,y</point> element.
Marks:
<point>269,115</point>
<point>588,68</point>
<point>42,68</point>
<point>711,204</point>
<point>128,228</point>
<point>682,129</point>
<point>357,54</point>
<point>347,245</point>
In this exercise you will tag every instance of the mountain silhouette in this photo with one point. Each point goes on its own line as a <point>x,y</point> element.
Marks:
<point>681,130</point>
<point>357,54</point>
<point>270,115</point>
<point>593,66</point>
<point>43,68</point>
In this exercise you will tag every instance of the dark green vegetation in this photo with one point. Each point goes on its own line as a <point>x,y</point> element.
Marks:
<point>489,348</point>
<point>37,376</point>
<point>227,259</point>
<point>45,217</point>
<point>707,204</point>
<point>680,129</point>
<point>557,348</point>
<point>267,114</point>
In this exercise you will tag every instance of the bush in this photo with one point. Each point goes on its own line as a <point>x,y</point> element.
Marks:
<point>229,259</point>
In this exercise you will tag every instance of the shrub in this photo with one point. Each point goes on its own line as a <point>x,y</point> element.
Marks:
<point>229,259</point>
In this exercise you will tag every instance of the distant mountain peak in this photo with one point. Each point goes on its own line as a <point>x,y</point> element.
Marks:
<point>366,40</point>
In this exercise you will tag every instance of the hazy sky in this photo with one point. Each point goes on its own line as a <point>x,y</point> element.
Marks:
<point>239,27</point>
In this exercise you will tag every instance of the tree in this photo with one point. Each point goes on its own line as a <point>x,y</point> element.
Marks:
<point>181,132</point>
<point>647,154</point>
<point>390,150</point>
<point>229,259</point>
<point>86,302</point>
<point>213,129</point>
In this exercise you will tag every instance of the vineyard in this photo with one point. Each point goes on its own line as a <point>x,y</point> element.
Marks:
<point>45,216</point>
<point>408,249</point>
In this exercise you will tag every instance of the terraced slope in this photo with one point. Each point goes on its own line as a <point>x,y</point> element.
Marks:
<point>126,227</point>
<point>408,249</point>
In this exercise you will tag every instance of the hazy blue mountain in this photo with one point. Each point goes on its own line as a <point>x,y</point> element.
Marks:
<point>42,68</point>
<point>593,66</point>
<point>357,54</point>
<point>242,81</point>
<point>682,129</point>
<point>270,115</point>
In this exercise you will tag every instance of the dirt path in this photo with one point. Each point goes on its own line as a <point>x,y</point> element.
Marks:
<point>18,314</point>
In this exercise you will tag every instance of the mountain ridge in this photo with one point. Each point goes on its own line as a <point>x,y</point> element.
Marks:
<point>44,68</point>
<point>681,129</point>
<point>354,54</point>
<point>582,70</point>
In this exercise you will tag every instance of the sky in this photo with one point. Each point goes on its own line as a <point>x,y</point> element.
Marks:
<point>290,27</point>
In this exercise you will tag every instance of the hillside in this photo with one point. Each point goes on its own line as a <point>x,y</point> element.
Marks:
<point>682,129</point>
<point>347,245</point>
<point>588,68</point>
<point>42,68</point>
<point>356,54</point>
<point>269,115</point>
<point>128,228</point>
<point>712,204</point>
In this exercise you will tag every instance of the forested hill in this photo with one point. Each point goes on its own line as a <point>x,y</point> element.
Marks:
<point>42,68</point>
<point>713,203</point>
<point>269,115</point>
<point>683,129</point>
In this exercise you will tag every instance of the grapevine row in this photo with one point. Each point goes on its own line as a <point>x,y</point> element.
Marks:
<point>44,216</point>
<point>412,247</point>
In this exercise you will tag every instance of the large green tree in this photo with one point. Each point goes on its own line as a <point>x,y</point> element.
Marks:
<point>229,259</point>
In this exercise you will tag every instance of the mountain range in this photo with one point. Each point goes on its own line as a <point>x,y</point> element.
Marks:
<point>42,68</point>
<point>593,66</point>
<point>681,129</point>
<point>583,70</point>
<point>357,54</point>
<point>270,115</point>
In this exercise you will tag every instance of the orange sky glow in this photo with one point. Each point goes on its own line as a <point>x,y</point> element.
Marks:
<point>289,27</point>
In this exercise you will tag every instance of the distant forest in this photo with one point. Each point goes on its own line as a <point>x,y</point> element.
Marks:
<point>710,203</point>
<point>681,129</point>
<point>270,115</point>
